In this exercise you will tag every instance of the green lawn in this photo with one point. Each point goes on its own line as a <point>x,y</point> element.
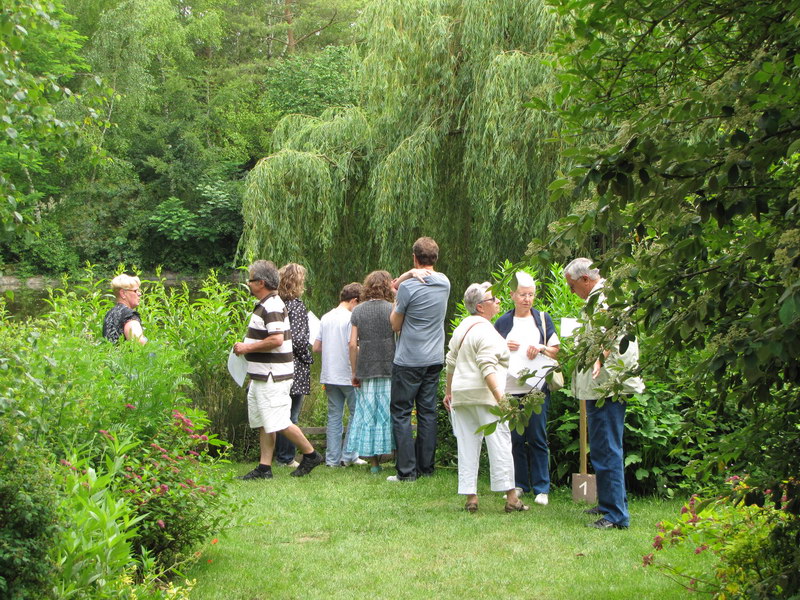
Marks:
<point>343,533</point>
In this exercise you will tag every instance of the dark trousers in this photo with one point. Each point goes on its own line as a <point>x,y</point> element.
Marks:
<point>284,449</point>
<point>531,453</point>
<point>414,386</point>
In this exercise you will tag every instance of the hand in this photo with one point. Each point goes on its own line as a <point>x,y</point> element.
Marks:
<point>596,369</point>
<point>239,348</point>
<point>420,274</point>
<point>355,381</point>
<point>513,345</point>
<point>448,399</point>
<point>533,352</point>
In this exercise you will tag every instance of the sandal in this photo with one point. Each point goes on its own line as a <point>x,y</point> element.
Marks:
<point>471,507</point>
<point>518,507</point>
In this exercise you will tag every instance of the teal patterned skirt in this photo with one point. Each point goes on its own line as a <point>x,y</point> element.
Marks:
<point>371,427</point>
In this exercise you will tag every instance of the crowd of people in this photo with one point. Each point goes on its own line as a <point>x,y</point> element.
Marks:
<point>382,350</point>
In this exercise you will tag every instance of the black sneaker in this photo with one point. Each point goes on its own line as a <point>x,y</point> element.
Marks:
<point>605,524</point>
<point>256,474</point>
<point>596,510</point>
<point>307,464</point>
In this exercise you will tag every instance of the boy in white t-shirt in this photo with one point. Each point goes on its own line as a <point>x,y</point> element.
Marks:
<point>332,341</point>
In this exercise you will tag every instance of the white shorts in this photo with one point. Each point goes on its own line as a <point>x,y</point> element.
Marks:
<point>269,405</point>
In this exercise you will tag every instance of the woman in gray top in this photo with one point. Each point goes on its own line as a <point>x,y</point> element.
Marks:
<point>371,354</point>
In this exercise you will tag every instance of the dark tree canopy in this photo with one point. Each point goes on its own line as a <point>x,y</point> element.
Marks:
<point>699,184</point>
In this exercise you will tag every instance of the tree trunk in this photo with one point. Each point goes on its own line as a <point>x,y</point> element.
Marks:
<point>289,16</point>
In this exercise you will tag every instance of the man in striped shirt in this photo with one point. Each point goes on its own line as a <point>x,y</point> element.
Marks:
<point>268,350</point>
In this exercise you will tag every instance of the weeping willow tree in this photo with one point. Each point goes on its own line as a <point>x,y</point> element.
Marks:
<point>439,144</point>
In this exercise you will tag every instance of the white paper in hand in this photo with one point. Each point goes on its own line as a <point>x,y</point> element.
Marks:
<point>540,366</point>
<point>237,367</point>
<point>569,326</point>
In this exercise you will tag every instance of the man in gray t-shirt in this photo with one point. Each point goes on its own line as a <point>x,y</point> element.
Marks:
<point>418,316</point>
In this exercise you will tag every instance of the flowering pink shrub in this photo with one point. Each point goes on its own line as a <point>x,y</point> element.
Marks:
<point>173,484</point>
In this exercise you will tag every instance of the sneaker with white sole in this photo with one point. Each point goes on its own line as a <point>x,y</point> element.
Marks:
<point>358,462</point>
<point>541,499</point>
<point>395,478</point>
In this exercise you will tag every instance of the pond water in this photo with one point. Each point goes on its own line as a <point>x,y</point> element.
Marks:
<point>25,302</point>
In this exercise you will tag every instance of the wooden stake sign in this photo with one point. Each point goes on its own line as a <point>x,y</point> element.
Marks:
<point>584,486</point>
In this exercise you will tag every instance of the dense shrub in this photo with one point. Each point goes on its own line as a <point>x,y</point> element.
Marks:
<point>29,523</point>
<point>753,538</point>
<point>140,488</point>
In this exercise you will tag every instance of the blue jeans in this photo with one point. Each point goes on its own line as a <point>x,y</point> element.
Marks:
<point>531,454</point>
<point>606,426</point>
<point>284,449</point>
<point>337,396</point>
<point>410,386</point>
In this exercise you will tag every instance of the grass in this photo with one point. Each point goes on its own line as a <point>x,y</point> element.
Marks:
<point>343,533</point>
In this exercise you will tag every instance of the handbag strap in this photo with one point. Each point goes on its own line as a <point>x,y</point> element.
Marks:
<point>463,337</point>
<point>544,326</point>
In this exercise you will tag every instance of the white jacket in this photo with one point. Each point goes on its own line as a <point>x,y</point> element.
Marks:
<point>471,358</point>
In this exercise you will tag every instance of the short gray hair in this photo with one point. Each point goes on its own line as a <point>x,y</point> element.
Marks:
<point>474,295</point>
<point>266,271</point>
<point>580,267</point>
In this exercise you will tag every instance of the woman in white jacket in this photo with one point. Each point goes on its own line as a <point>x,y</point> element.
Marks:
<point>476,374</point>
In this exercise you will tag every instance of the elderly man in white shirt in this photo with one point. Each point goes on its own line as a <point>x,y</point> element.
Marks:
<point>606,422</point>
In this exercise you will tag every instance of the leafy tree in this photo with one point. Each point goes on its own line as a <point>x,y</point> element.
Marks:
<point>701,103</point>
<point>38,53</point>
<point>436,144</point>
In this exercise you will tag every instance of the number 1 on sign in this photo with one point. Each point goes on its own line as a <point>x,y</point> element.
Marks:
<point>584,488</point>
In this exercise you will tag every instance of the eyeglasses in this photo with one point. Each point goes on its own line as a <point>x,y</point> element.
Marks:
<point>526,296</point>
<point>492,299</point>
<point>137,291</point>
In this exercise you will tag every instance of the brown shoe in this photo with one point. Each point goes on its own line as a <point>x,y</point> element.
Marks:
<point>471,507</point>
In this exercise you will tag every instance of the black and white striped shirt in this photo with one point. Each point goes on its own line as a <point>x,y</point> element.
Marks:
<point>270,317</point>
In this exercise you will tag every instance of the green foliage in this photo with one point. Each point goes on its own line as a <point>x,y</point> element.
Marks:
<point>218,314</point>
<point>698,104</point>
<point>38,52</point>
<point>309,84</point>
<point>169,486</point>
<point>46,251</point>
<point>755,549</point>
<point>29,520</point>
<point>177,103</point>
<point>94,554</point>
<point>681,121</point>
<point>437,144</point>
<point>140,487</point>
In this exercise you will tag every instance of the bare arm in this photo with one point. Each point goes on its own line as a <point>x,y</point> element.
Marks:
<point>268,343</point>
<point>133,331</point>
<point>491,383</point>
<point>420,274</point>
<point>448,391</point>
<point>317,347</point>
<point>396,319</point>
<point>352,346</point>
